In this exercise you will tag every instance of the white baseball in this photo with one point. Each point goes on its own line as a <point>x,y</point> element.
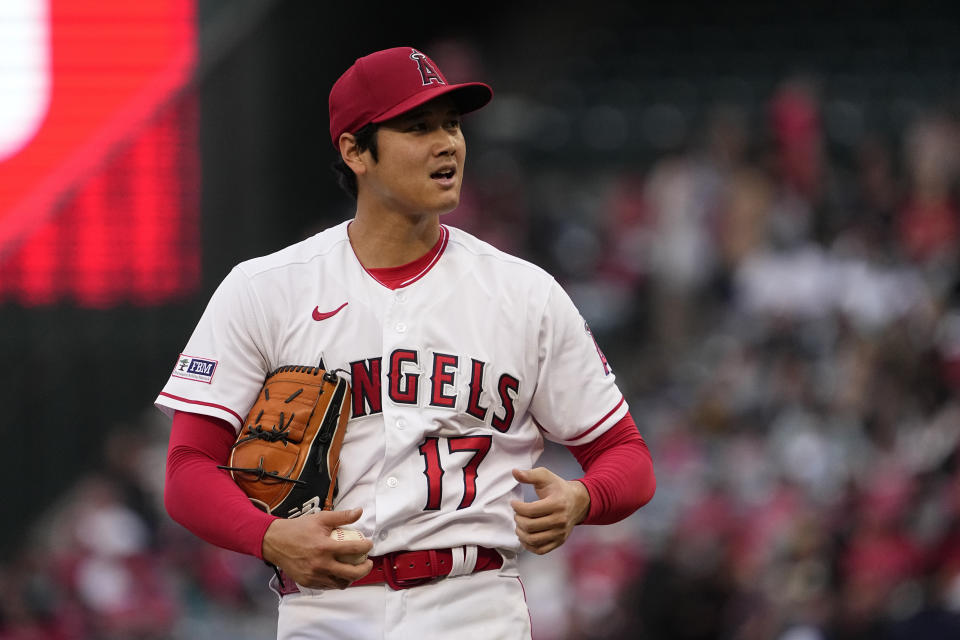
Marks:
<point>342,535</point>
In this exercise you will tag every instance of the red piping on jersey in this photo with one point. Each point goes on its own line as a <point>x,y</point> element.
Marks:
<point>206,404</point>
<point>600,422</point>
<point>523,590</point>
<point>406,274</point>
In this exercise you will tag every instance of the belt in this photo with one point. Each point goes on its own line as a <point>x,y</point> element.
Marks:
<point>405,569</point>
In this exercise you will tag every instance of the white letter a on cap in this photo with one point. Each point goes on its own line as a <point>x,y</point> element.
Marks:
<point>428,74</point>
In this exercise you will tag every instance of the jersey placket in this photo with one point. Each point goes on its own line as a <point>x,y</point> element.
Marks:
<point>400,384</point>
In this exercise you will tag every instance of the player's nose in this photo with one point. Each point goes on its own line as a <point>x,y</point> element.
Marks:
<point>447,142</point>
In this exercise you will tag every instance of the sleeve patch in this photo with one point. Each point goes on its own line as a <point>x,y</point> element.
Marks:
<point>191,368</point>
<point>603,358</point>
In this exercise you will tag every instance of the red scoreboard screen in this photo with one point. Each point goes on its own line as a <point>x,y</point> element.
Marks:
<point>99,184</point>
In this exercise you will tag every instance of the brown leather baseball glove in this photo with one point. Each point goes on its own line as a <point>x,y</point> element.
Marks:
<point>287,454</point>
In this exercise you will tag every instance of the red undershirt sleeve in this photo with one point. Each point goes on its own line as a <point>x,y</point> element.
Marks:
<point>618,473</point>
<point>204,499</point>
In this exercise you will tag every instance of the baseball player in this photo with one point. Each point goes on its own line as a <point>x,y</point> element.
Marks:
<point>461,360</point>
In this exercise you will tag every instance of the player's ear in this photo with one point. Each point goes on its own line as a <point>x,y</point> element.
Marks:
<point>351,153</point>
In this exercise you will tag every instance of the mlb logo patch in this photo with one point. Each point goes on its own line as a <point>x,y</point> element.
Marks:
<point>191,368</point>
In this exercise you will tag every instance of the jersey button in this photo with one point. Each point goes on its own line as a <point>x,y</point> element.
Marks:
<point>401,424</point>
<point>401,297</point>
<point>401,327</point>
<point>392,482</point>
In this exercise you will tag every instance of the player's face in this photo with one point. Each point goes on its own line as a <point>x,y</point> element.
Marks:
<point>420,160</point>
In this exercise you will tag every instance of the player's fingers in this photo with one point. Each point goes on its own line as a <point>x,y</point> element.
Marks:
<point>545,523</point>
<point>353,572</point>
<point>543,536</point>
<point>332,582</point>
<point>323,582</point>
<point>535,509</point>
<point>321,575</point>
<point>542,542</point>
<point>336,574</point>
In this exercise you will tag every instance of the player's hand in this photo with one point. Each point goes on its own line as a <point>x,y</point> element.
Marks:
<point>302,547</point>
<point>545,524</point>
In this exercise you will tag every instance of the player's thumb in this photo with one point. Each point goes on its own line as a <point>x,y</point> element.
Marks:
<point>540,477</point>
<point>337,518</point>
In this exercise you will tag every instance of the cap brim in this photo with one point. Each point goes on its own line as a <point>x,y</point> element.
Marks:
<point>468,97</point>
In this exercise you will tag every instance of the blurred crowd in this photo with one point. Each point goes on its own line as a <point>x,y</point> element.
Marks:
<point>105,562</point>
<point>784,320</point>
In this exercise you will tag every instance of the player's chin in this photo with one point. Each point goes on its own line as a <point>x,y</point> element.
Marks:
<point>448,209</point>
<point>447,202</point>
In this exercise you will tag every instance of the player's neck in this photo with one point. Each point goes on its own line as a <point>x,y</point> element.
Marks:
<point>390,241</point>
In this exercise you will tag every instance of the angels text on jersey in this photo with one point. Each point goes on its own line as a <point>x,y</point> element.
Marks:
<point>443,380</point>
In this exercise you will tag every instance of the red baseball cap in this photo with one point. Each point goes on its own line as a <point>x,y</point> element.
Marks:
<point>386,83</point>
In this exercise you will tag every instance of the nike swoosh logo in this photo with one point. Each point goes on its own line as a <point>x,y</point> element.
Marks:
<point>319,315</point>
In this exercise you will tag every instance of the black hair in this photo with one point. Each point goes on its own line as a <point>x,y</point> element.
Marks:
<point>366,140</point>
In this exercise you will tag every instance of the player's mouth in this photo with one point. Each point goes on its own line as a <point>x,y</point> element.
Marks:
<point>446,176</point>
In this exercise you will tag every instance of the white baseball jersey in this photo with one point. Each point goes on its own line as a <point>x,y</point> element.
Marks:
<point>456,377</point>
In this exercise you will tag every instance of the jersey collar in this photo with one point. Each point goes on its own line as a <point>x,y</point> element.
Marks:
<point>406,274</point>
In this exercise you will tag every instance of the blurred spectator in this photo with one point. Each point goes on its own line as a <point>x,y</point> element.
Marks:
<point>928,226</point>
<point>796,127</point>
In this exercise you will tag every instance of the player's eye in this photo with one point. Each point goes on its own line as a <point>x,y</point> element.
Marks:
<point>453,123</point>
